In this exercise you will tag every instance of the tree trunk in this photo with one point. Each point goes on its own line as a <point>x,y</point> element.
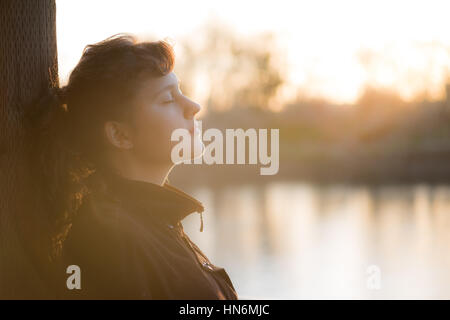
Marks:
<point>28,67</point>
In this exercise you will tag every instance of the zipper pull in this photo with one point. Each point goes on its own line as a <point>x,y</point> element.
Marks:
<point>201,221</point>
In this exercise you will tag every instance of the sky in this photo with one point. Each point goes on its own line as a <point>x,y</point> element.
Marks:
<point>334,49</point>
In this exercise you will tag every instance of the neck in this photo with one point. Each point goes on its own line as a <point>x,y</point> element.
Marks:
<point>153,173</point>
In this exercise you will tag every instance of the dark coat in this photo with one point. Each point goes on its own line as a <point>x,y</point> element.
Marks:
<point>129,243</point>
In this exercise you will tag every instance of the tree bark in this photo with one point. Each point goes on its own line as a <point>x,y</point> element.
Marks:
<point>28,67</point>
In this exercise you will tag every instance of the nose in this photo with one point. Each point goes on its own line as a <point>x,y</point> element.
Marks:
<point>190,108</point>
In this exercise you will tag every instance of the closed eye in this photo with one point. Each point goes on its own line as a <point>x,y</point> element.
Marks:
<point>169,98</point>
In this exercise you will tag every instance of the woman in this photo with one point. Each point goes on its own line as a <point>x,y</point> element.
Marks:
<point>106,153</point>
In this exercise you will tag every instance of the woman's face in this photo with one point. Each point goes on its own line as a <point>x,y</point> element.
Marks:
<point>162,108</point>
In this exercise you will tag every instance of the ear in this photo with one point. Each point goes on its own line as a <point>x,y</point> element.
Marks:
<point>118,134</point>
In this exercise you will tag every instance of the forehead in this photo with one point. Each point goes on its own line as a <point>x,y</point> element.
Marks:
<point>152,86</point>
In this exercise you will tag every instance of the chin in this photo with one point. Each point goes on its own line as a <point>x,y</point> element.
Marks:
<point>195,150</point>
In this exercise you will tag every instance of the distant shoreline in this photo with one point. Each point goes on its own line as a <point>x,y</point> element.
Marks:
<point>407,170</point>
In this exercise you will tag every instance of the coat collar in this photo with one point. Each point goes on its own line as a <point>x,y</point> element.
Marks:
<point>166,202</point>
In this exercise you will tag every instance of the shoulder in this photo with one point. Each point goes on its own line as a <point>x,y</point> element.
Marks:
<point>104,243</point>
<point>106,229</point>
<point>97,230</point>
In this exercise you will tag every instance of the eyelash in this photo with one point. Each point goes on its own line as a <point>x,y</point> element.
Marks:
<point>172,100</point>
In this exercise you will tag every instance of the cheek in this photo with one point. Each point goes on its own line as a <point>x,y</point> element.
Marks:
<point>153,133</point>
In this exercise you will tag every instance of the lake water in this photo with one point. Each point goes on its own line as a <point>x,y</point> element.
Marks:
<point>299,241</point>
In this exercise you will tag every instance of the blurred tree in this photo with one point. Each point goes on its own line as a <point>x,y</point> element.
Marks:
<point>230,71</point>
